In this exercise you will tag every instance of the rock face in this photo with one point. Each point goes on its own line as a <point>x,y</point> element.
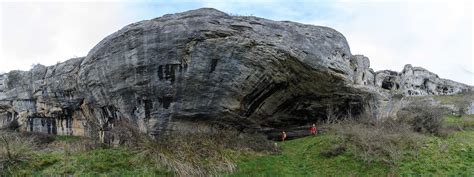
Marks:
<point>204,66</point>
<point>418,81</point>
<point>363,74</point>
<point>43,99</point>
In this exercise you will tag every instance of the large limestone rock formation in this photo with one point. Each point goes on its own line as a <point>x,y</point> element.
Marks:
<point>209,67</point>
<point>43,99</point>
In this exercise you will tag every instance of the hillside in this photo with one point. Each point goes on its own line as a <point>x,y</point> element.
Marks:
<point>302,157</point>
<point>439,156</point>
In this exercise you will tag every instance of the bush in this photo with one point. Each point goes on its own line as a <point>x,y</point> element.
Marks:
<point>376,141</point>
<point>334,151</point>
<point>422,117</point>
<point>467,122</point>
<point>204,151</point>
<point>12,126</point>
<point>37,138</point>
<point>14,149</point>
<point>462,104</point>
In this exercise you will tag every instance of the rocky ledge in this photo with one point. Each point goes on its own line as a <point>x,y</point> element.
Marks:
<point>205,66</point>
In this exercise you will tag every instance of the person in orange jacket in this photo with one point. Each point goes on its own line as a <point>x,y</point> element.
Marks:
<point>313,130</point>
<point>283,136</point>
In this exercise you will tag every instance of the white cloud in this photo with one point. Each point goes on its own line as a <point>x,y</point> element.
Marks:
<point>433,35</point>
<point>48,32</point>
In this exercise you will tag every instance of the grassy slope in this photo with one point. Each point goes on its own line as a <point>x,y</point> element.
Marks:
<point>451,99</point>
<point>102,161</point>
<point>453,155</point>
<point>301,157</point>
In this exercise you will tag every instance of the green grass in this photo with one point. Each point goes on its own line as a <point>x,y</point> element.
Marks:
<point>98,162</point>
<point>452,120</point>
<point>465,121</point>
<point>67,138</point>
<point>449,156</point>
<point>453,155</point>
<point>451,99</point>
<point>301,157</point>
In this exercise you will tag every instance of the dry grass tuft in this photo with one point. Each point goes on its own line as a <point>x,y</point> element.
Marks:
<point>204,151</point>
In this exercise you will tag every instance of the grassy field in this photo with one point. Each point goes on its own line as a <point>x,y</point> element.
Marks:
<point>197,154</point>
<point>452,99</point>
<point>301,157</point>
<point>97,162</point>
<point>453,155</point>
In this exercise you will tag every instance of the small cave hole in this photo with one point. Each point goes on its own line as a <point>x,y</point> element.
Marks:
<point>213,65</point>
<point>387,83</point>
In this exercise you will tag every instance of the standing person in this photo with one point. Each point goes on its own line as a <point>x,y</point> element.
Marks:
<point>313,130</point>
<point>283,136</point>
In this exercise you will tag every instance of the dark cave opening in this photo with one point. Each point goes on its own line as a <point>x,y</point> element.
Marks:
<point>213,65</point>
<point>387,83</point>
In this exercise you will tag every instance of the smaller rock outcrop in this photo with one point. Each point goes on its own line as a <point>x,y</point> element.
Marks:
<point>363,74</point>
<point>417,81</point>
<point>411,81</point>
<point>44,99</point>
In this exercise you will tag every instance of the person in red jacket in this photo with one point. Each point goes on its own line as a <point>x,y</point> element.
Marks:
<point>283,136</point>
<point>313,130</point>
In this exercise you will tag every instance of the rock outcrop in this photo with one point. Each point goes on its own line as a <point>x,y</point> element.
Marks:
<point>43,99</point>
<point>209,67</point>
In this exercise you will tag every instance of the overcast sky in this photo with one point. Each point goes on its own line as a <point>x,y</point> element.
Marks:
<point>434,35</point>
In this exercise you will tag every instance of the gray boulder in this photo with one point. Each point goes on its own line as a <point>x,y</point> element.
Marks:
<point>205,65</point>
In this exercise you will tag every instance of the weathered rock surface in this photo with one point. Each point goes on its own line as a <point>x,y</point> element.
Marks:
<point>43,99</point>
<point>206,66</point>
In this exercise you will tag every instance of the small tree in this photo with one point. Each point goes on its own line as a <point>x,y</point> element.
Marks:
<point>422,117</point>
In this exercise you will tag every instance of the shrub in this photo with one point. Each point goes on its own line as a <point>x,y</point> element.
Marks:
<point>37,138</point>
<point>467,122</point>
<point>12,126</point>
<point>462,104</point>
<point>376,141</point>
<point>334,151</point>
<point>422,117</point>
<point>203,151</point>
<point>14,149</point>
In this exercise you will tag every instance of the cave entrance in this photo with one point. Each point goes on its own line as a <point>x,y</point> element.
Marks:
<point>388,83</point>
